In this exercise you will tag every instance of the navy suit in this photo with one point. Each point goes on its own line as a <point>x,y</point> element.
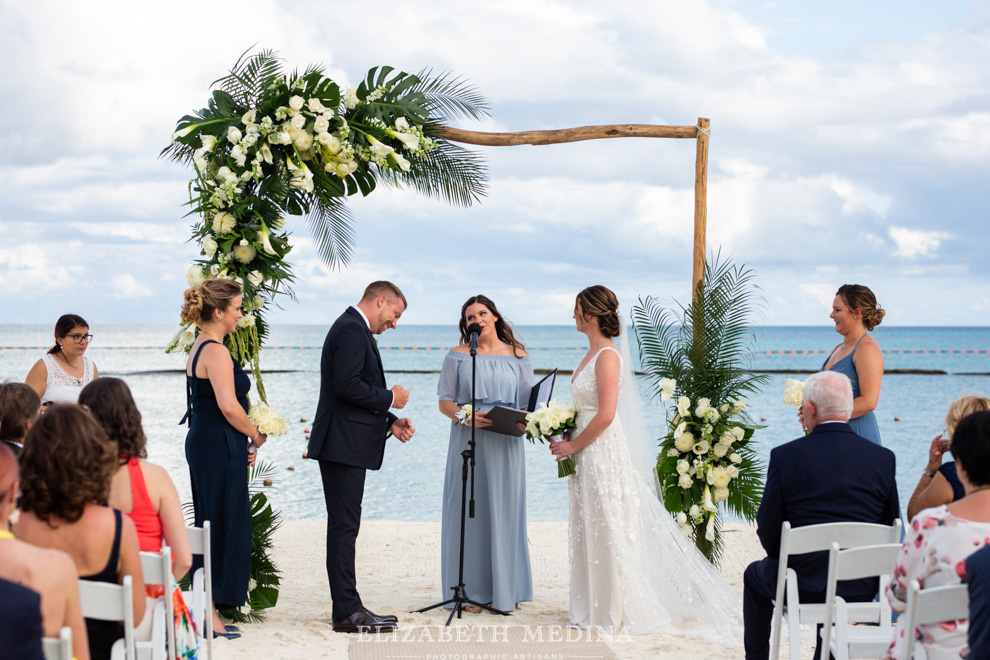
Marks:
<point>830,475</point>
<point>20,622</point>
<point>351,425</point>
<point>978,578</point>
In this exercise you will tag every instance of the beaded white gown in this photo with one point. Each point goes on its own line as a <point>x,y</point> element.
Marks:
<point>632,568</point>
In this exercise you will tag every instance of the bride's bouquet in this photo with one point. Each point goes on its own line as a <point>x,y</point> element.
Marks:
<point>548,423</point>
<point>794,392</point>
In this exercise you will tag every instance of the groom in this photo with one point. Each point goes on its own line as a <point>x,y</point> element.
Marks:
<point>348,438</point>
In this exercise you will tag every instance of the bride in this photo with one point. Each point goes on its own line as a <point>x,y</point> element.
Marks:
<point>632,568</point>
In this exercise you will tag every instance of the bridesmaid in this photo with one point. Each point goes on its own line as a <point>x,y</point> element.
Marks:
<point>496,553</point>
<point>217,441</point>
<point>855,312</point>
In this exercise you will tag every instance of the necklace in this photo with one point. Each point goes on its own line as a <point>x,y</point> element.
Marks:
<point>211,336</point>
<point>77,381</point>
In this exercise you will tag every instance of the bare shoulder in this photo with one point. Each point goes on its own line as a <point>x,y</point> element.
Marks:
<point>869,349</point>
<point>607,360</point>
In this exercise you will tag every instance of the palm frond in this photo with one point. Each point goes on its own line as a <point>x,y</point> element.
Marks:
<point>332,226</point>
<point>245,81</point>
<point>449,173</point>
<point>451,97</point>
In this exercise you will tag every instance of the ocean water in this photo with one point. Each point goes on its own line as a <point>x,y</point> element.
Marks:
<point>410,484</point>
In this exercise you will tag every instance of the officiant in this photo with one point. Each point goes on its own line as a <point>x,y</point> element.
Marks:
<point>496,553</point>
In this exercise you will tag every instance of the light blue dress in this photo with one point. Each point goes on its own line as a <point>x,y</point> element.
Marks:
<point>865,425</point>
<point>496,552</point>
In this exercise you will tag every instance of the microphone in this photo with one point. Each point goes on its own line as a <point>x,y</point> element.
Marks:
<point>473,331</point>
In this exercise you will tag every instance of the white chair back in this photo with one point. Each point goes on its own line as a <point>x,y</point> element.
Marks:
<point>855,564</point>
<point>158,570</point>
<point>201,598</point>
<point>815,538</point>
<point>111,602</point>
<point>934,605</point>
<point>58,649</point>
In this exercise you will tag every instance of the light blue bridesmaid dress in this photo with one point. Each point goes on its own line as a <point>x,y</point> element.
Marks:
<point>496,551</point>
<point>865,425</point>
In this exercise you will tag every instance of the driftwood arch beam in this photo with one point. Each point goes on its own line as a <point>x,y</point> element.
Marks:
<point>700,133</point>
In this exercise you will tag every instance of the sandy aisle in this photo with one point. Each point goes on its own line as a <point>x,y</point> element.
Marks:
<point>399,570</point>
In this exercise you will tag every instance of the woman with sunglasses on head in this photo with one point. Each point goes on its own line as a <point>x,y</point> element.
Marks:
<point>61,374</point>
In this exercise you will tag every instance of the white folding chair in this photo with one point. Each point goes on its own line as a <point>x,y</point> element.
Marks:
<point>58,649</point>
<point>111,602</point>
<point>816,538</point>
<point>158,570</point>
<point>934,605</point>
<point>847,641</point>
<point>200,599</point>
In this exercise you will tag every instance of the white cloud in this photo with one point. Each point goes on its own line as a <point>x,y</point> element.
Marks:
<point>912,243</point>
<point>125,287</point>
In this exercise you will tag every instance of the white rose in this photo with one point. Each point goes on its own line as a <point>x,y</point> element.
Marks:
<point>255,278</point>
<point>694,511</point>
<point>246,321</point>
<point>703,407</point>
<point>732,471</point>
<point>284,138</point>
<point>316,106</point>
<point>683,467</point>
<point>401,123</point>
<point>739,407</point>
<point>215,270</point>
<point>735,458</point>
<point>321,125</point>
<point>685,481</point>
<point>683,406</point>
<point>672,451</point>
<point>209,246</point>
<point>681,518</point>
<point>324,138</point>
<point>195,276</point>
<point>296,102</point>
<point>258,302</point>
<point>244,252</point>
<point>738,432</point>
<point>724,408</point>
<point>720,450</point>
<point>712,416</point>
<point>237,153</point>
<point>667,386</point>
<point>233,135</point>
<point>298,122</point>
<point>328,114</point>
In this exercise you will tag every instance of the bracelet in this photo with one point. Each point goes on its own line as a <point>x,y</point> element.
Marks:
<point>928,474</point>
<point>256,435</point>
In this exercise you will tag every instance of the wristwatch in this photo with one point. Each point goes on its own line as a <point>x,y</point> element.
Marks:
<point>930,475</point>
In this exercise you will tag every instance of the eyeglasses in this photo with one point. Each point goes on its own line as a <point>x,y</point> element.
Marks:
<point>80,338</point>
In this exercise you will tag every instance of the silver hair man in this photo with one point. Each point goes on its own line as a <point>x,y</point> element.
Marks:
<point>828,396</point>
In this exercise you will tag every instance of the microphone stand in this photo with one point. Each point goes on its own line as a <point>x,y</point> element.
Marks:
<point>460,599</point>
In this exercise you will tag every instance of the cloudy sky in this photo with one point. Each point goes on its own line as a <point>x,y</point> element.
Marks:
<point>850,143</point>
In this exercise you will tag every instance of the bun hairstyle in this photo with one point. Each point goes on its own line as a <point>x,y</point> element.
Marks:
<point>860,297</point>
<point>600,302</point>
<point>201,301</point>
<point>64,326</point>
<point>502,328</point>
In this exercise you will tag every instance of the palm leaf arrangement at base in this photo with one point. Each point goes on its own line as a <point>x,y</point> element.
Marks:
<point>271,144</point>
<point>695,360</point>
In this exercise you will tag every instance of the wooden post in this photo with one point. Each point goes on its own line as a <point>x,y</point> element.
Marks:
<point>700,203</point>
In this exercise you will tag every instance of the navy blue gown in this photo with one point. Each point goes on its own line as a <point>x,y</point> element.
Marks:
<point>218,472</point>
<point>865,426</point>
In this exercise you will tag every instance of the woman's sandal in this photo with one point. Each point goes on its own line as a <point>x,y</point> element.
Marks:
<point>475,609</point>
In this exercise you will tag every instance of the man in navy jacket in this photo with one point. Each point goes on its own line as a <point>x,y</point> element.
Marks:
<point>351,425</point>
<point>20,622</point>
<point>829,475</point>
<point>978,578</point>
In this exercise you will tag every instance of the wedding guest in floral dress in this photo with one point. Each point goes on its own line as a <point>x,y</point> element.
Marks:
<point>940,540</point>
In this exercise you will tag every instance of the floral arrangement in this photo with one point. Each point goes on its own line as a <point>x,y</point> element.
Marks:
<point>552,421</point>
<point>267,420</point>
<point>271,144</point>
<point>465,414</point>
<point>794,392</point>
<point>701,456</point>
<point>698,359</point>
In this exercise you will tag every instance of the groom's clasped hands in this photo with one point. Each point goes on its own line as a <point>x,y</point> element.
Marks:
<point>401,428</point>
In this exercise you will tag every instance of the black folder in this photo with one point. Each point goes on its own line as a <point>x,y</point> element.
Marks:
<point>504,419</point>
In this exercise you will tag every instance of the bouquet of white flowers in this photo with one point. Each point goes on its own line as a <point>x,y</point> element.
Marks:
<point>465,414</point>
<point>794,392</point>
<point>267,420</point>
<point>549,422</point>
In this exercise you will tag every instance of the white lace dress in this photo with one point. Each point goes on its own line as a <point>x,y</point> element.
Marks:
<point>632,568</point>
<point>62,387</point>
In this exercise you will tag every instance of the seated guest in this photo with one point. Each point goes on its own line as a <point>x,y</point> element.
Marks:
<point>829,475</point>
<point>19,407</point>
<point>50,573</point>
<point>978,579</point>
<point>940,540</point>
<point>66,468</point>
<point>142,490</point>
<point>20,622</point>
<point>939,483</point>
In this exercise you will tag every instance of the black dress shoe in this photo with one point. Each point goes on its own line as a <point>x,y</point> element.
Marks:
<point>391,618</point>
<point>362,622</point>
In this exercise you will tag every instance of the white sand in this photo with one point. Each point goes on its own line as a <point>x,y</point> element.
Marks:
<point>398,567</point>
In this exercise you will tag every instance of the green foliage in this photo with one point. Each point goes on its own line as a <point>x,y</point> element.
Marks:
<point>705,347</point>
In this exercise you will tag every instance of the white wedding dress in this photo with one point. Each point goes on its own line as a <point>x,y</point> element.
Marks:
<point>632,568</point>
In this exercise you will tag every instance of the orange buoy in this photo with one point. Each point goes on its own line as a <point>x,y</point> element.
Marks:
<point>897,419</point>
<point>268,482</point>
<point>763,419</point>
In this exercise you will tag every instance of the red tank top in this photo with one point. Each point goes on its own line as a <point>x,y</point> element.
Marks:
<point>146,520</point>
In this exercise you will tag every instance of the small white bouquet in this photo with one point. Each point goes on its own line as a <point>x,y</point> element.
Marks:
<point>794,392</point>
<point>267,420</point>
<point>549,422</point>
